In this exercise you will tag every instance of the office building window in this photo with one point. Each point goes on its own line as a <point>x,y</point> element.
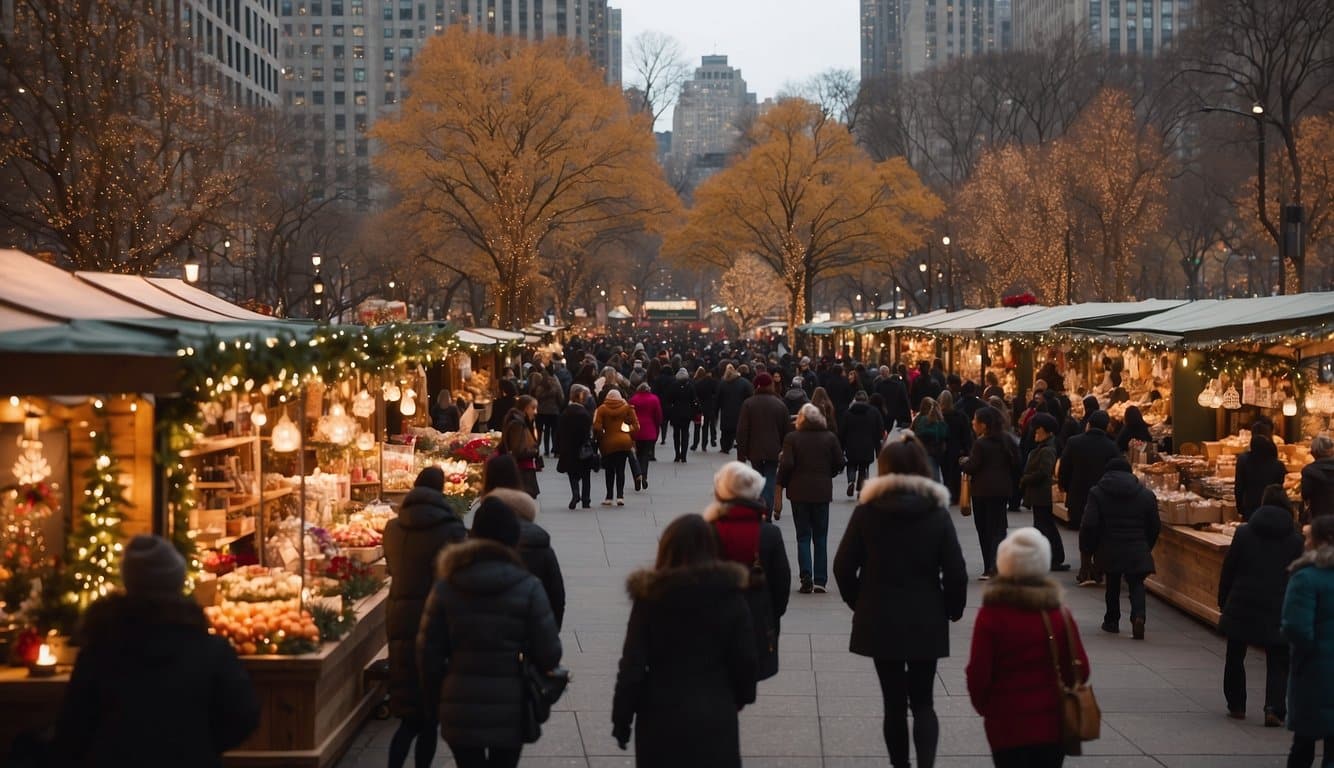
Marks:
<point>317,98</point>
<point>358,52</point>
<point>317,30</point>
<point>340,98</point>
<point>338,30</point>
<point>359,75</point>
<point>358,30</point>
<point>340,122</point>
<point>359,98</point>
<point>340,74</point>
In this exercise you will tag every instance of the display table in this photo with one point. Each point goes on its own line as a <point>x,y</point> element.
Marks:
<point>313,704</point>
<point>27,703</point>
<point>1188,564</point>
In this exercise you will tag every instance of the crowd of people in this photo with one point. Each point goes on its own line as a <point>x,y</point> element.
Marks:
<point>468,603</point>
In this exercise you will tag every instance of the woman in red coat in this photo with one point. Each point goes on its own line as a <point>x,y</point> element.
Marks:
<point>1011,678</point>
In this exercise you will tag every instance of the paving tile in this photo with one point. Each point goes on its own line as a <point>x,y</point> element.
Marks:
<point>780,737</point>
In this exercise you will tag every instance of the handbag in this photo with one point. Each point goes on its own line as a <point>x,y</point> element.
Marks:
<point>966,496</point>
<point>540,691</point>
<point>1081,720</point>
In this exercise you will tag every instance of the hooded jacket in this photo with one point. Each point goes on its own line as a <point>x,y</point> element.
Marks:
<point>1255,576</point>
<point>425,525</point>
<point>1121,524</point>
<point>607,421</point>
<point>861,433</point>
<point>747,539</point>
<point>535,548</point>
<point>1308,625</point>
<point>688,666</point>
<point>1318,487</point>
<point>648,409</point>
<point>1011,680</point>
<point>760,428</point>
<point>485,609</point>
<point>1039,472</point>
<point>151,683</point>
<point>901,570</point>
<point>811,457</point>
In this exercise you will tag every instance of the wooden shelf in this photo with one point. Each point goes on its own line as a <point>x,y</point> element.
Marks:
<point>214,445</point>
<point>365,484</point>
<point>254,502</point>
<point>214,486</point>
<point>278,493</point>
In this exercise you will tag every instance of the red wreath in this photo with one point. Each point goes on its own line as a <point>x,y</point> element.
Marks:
<point>1024,299</point>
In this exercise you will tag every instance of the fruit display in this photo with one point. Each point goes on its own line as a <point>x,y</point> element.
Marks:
<point>278,626</point>
<point>354,534</point>
<point>217,563</point>
<point>257,584</point>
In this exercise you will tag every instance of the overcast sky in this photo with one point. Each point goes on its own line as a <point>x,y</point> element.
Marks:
<point>772,41</point>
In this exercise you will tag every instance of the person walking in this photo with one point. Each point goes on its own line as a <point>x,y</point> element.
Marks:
<point>500,480</point>
<point>519,439</point>
<point>574,432</point>
<point>1039,474</point>
<point>1133,427</point>
<point>930,428</point>
<point>688,665</point>
<point>550,398</point>
<point>1308,626</point>
<point>1250,597</point>
<point>990,465</point>
<point>733,390</point>
<point>796,396</point>
<point>1082,463</point>
<point>501,407</point>
<point>706,427</point>
<point>425,525</point>
<point>1257,469</point>
<point>648,411</point>
<point>614,424</point>
<point>746,537</point>
<point>484,612</point>
<point>900,569</point>
<point>810,459</point>
<point>761,425</point>
<point>680,405</point>
<point>1120,528</point>
<point>152,686</point>
<point>958,443</point>
<point>894,392</point>
<point>1318,480</point>
<point>1012,680</point>
<point>861,435</point>
<point>820,399</point>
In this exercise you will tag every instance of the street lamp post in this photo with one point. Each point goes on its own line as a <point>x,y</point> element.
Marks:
<point>317,287</point>
<point>949,271</point>
<point>925,268</point>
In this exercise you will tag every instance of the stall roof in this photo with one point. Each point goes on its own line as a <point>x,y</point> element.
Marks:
<point>139,291</point>
<point>31,285</point>
<point>1092,313</point>
<point>911,321</point>
<point>474,338</point>
<point>1237,320</point>
<point>186,292</point>
<point>825,328</point>
<point>499,334</point>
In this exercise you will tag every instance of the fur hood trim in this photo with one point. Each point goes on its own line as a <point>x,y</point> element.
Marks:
<point>519,502</point>
<point>458,557</point>
<point>1040,594</point>
<point>1320,557</point>
<point>910,484</point>
<point>650,584</point>
<point>719,509</point>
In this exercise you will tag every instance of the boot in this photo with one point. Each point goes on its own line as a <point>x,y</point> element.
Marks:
<point>1137,628</point>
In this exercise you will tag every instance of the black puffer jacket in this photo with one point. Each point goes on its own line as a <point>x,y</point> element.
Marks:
<point>485,609</point>
<point>1120,524</point>
<point>1257,469</point>
<point>573,430</point>
<point>991,464</point>
<point>1082,463</point>
<point>681,402</point>
<point>412,541</point>
<point>535,548</point>
<point>687,667</point>
<point>731,394</point>
<point>1255,577</point>
<point>1318,487</point>
<point>153,688</point>
<point>900,569</point>
<point>860,433</point>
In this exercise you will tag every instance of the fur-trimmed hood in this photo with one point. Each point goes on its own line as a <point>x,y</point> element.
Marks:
<point>500,565</point>
<point>520,503</point>
<point>879,488</point>
<point>1320,557</point>
<point>1029,594</point>
<point>651,584</point>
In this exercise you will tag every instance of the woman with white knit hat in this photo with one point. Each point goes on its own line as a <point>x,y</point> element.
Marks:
<point>1011,675</point>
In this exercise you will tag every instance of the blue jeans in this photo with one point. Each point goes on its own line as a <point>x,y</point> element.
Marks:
<point>770,471</point>
<point>812,519</point>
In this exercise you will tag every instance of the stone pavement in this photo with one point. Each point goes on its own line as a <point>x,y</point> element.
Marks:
<point>1161,698</point>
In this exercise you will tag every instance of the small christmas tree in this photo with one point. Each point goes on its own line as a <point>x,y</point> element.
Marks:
<point>95,545</point>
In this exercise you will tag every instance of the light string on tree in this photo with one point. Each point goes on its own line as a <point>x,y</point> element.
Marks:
<point>95,545</point>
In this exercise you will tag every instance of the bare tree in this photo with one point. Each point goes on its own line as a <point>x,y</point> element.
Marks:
<point>834,90</point>
<point>660,67</point>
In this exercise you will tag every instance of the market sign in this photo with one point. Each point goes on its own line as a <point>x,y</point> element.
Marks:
<point>684,309</point>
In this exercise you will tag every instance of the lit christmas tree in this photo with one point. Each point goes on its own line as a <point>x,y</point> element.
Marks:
<point>95,545</point>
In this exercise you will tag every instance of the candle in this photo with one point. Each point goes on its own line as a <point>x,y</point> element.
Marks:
<point>45,666</point>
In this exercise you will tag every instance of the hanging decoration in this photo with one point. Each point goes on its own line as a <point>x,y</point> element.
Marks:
<point>1207,395</point>
<point>286,436</point>
<point>337,427</point>
<point>95,548</point>
<point>1231,398</point>
<point>258,416</point>
<point>391,392</point>
<point>366,442</point>
<point>408,407</point>
<point>363,405</point>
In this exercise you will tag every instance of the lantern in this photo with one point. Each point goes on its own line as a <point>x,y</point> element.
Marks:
<point>408,406</point>
<point>1231,398</point>
<point>258,416</point>
<point>365,442</point>
<point>363,405</point>
<point>286,436</point>
<point>1290,407</point>
<point>391,392</point>
<point>1206,398</point>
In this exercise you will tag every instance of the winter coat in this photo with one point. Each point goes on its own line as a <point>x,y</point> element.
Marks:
<point>840,394</point>
<point>1082,463</point>
<point>1255,575</point>
<point>1038,475</point>
<point>153,688</point>
<point>607,423</point>
<point>573,430</point>
<point>681,402</point>
<point>1308,626</point>
<point>900,569</point>
<point>485,609</point>
<point>1121,524</point>
<point>687,667</point>
<point>894,392</point>
<point>1011,679</point>
<point>706,390</point>
<point>535,548</point>
<point>934,436</point>
<point>648,409</point>
<point>923,387</point>
<point>500,409</point>
<point>550,397</point>
<point>794,398</point>
<point>1254,474</point>
<point>1318,487</point>
<point>731,394</point>
<point>959,434</point>
<point>412,541</point>
<point>518,440</point>
<point>745,538</point>
<point>991,466</point>
<point>861,434</point>
<point>763,422</point>
<point>811,458</point>
<point>969,405</point>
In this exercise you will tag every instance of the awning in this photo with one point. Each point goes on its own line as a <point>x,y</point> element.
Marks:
<point>183,290</point>
<point>911,321</point>
<point>1213,321</point>
<point>973,321</point>
<point>474,338</point>
<point>825,328</point>
<point>1096,314</point>
<point>31,285</point>
<point>498,334</point>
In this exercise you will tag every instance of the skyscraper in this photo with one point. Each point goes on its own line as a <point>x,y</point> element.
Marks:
<point>614,73</point>
<point>235,47</point>
<point>900,38</point>
<point>1120,26</point>
<point>705,121</point>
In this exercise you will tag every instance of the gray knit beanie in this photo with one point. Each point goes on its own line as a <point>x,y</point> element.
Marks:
<point>150,565</point>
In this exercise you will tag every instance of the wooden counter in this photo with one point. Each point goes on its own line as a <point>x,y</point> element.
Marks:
<point>27,703</point>
<point>1188,564</point>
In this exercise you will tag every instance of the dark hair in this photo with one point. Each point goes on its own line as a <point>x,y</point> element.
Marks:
<point>1262,447</point>
<point>1275,496</point>
<point>968,388</point>
<point>1099,420</point>
<point>1115,379</point>
<point>1263,426</point>
<point>687,540</point>
<point>508,387</point>
<point>1322,530</point>
<point>991,419</point>
<point>1045,421</point>
<point>523,402</point>
<point>1133,417</point>
<point>1117,464</point>
<point>903,457</point>
<point>500,471</point>
<point>431,477</point>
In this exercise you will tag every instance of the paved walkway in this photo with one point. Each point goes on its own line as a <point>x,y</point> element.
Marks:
<point>1161,698</point>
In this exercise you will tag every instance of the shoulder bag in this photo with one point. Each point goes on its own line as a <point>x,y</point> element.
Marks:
<point>540,691</point>
<point>1081,720</point>
<point>965,494</point>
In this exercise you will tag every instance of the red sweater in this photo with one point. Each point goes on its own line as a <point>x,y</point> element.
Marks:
<point>739,534</point>
<point>1010,677</point>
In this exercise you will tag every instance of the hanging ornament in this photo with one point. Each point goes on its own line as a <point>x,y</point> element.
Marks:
<point>258,416</point>
<point>1217,400</point>
<point>363,405</point>
<point>1290,407</point>
<point>391,392</point>
<point>409,405</point>
<point>1311,402</point>
<point>1206,398</point>
<point>286,436</point>
<point>365,442</point>
<point>1231,398</point>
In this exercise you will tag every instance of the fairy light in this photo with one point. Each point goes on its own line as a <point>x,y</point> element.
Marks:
<point>98,529</point>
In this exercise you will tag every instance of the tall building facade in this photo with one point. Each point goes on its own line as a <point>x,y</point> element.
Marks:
<point>900,38</point>
<point>1139,27</point>
<point>588,21</point>
<point>614,71</point>
<point>235,47</point>
<point>707,113</point>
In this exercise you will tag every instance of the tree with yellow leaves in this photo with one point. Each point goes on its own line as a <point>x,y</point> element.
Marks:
<point>504,145</point>
<point>808,202</point>
<point>750,291</point>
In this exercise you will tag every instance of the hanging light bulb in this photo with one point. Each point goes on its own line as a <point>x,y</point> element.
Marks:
<point>286,436</point>
<point>258,416</point>
<point>1310,402</point>
<point>1290,407</point>
<point>363,405</point>
<point>391,392</point>
<point>337,410</point>
<point>1217,400</point>
<point>365,442</point>
<point>409,405</point>
<point>1206,397</point>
